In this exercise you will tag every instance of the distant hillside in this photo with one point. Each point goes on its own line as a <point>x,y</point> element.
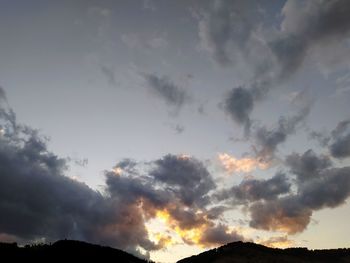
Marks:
<point>66,250</point>
<point>240,252</point>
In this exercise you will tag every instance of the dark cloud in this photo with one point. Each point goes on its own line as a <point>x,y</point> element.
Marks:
<point>308,165</point>
<point>187,176</point>
<point>129,189</point>
<point>38,201</point>
<point>227,26</point>
<point>228,31</point>
<point>286,215</point>
<point>338,142</point>
<point>231,29</point>
<point>268,139</point>
<point>309,24</point>
<point>331,189</point>
<point>164,88</point>
<point>187,219</point>
<point>318,187</point>
<point>253,190</point>
<point>340,145</point>
<point>239,104</point>
<point>127,165</point>
<point>220,235</point>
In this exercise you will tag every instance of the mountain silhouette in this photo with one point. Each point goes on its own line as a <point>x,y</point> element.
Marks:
<point>237,252</point>
<point>66,250</point>
<point>241,252</point>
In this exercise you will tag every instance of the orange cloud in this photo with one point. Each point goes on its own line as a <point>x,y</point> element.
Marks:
<point>164,241</point>
<point>278,242</point>
<point>184,157</point>
<point>117,170</point>
<point>246,165</point>
<point>204,233</point>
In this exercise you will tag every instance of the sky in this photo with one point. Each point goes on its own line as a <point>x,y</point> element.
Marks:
<point>166,128</point>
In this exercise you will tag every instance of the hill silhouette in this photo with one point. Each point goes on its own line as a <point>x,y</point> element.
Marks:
<point>237,252</point>
<point>240,252</point>
<point>66,250</point>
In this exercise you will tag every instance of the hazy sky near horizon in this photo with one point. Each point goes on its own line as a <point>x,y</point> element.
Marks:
<point>165,128</point>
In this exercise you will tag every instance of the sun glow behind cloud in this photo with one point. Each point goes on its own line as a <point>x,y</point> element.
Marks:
<point>117,171</point>
<point>278,242</point>
<point>191,235</point>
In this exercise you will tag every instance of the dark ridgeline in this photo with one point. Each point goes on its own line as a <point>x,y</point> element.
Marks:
<point>240,252</point>
<point>65,251</point>
<point>237,252</point>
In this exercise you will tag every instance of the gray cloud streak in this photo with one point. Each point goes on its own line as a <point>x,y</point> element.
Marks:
<point>164,88</point>
<point>340,145</point>
<point>254,190</point>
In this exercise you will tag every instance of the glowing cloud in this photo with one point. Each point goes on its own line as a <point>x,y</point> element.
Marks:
<point>246,165</point>
<point>117,170</point>
<point>204,234</point>
<point>278,242</point>
<point>184,157</point>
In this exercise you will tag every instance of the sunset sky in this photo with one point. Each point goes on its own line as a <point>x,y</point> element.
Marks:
<point>169,127</point>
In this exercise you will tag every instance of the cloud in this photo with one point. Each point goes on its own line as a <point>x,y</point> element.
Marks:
<point>233,31</point>
<point>189,178</point>
<point>227,26</point>
<point>38,201</point>
<point>246,164</point>
<point>319,186</point>
<point>196,228</point>
<point>308,165</point>
<point>340,145</point>
<point>174,190</point>
<point>239,104</point>
<point>285,215</point>
<point>338,142</point>
<point>251,190</point>
<point>306,25</point>
<point>268,139</point>
<point>165,89</point>
<point>219,235</point>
